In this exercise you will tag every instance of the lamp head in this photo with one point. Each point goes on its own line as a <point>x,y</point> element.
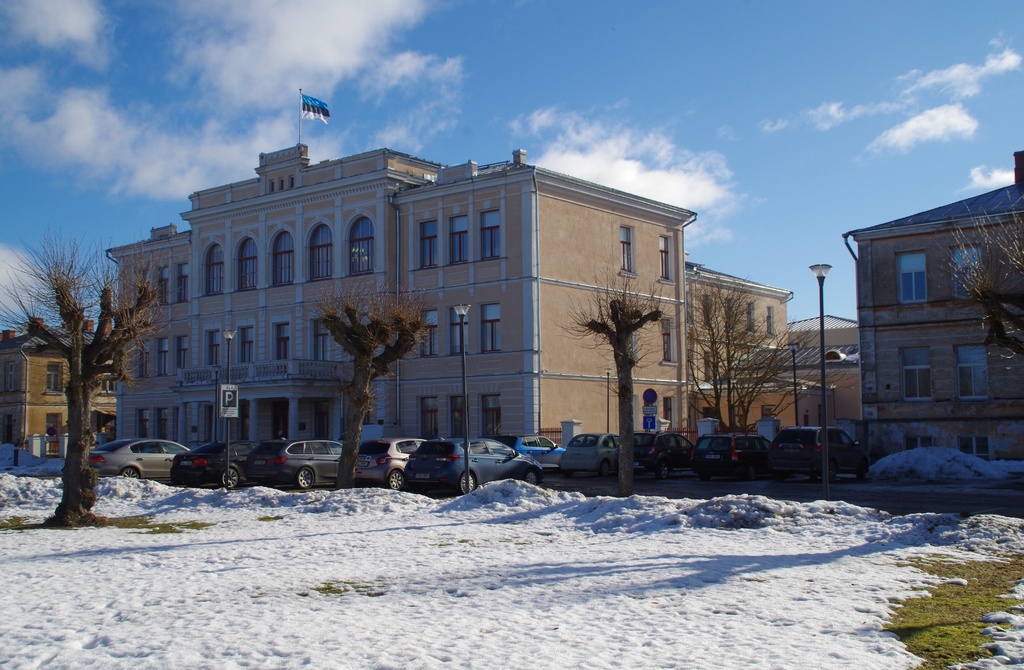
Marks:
<point>462,310</point>
<point>794,346</point>
<point>229,335</point>
<point>820,270</point>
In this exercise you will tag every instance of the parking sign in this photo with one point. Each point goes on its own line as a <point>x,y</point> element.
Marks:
<point>228,394</point>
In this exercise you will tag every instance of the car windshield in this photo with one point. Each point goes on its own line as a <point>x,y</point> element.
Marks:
<point>797,436</point>
<point>435,449</point>
<point>209,448</point>
<point>508,440</point>
<point>714,444</point>
<point>267,448</point>
<point>582,442</point>
<point>112,446</point>
<point>373,448</point>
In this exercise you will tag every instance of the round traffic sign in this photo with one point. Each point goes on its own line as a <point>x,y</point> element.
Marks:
<point>650,396</point>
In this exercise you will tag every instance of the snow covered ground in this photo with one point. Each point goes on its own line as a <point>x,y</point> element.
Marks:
<point>511,576</point>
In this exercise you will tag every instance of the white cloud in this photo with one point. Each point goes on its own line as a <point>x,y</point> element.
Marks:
<point>11,260</point>
<point>768,126</point>
<point>963,80</point>
<point>249,51</point>
<point>939,124</point>
<point>647,163</point>
<point>831,114</point>
<point>76,26</point>
<point>986,178</point>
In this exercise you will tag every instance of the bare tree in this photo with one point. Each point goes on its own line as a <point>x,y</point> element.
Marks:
<point>735,357</point>
<point>60,287</point>
<point>376,328</point>
<point>613,317</point>
<point>989,265</point>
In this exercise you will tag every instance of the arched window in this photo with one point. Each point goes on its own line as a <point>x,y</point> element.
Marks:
<point>360,244</point>
<point>214,270</point>
<point>284,259</point>
<point>320,257</point>
<point>247,265</point>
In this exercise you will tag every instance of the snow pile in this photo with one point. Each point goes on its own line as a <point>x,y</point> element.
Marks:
<point>937,463</point>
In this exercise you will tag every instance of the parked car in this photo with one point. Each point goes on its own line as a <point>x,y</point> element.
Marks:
<point>383,461</point>
<point>798,451</point>
<point>591,452</point>
<point>299,463</point>
<point>205,465</point>
<point>538,447</point>
<point>439,463</point>
<point>661,453</point>
<point>137,458</point>
<point>730,455</point>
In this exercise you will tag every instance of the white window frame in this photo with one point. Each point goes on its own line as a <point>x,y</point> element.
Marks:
<point>913,268</point>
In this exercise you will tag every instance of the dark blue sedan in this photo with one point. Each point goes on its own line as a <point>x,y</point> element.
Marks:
<point>441,464</point>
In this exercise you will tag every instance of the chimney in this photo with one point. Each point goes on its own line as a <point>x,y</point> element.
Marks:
<point>89,325</point>
<point>1018,167</point>
<point>9,335</point>
<point>519,157</point>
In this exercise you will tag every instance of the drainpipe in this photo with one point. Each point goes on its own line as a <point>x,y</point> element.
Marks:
<point>536,282</point>
<point>24,405</point>
<point>398,290</point>
<point>685,354</point>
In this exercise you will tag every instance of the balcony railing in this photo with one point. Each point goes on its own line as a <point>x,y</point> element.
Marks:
<point>273,371</point>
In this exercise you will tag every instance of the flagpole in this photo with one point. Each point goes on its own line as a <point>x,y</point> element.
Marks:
<point>300,116</point>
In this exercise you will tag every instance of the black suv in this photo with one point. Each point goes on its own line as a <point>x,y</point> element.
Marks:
<point>730,455</point>
<point>798,451</point>
<point>661,453</point>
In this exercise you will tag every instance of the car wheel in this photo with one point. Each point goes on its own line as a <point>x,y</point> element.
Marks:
<point>304,478</point>
<point>130,473</point>
<point>532,477</point>
<point>462,482</point>
<point>704,476</point>
<point>748,473</point>
<point>661,470</point>
<point>862,471</point>
<point>605,469</point>
<point>230,479</point>
<point>395,480</point>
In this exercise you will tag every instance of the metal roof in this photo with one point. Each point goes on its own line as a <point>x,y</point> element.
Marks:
<point>831,323</point>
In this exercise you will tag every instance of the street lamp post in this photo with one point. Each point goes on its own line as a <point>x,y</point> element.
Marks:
<point>462,311</point>
<point>228,335</point>
<point>820,270</point>
<point>607,400</point>
<point>793,347</point>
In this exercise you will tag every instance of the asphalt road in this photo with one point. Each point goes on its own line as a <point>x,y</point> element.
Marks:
<point>1004,497</point>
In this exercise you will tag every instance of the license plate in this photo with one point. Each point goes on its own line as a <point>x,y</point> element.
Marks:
<point>186,462</point>
<point>636,464</point>
<point>712,457</point>
<point>259,461</point>
<point>422,475</point>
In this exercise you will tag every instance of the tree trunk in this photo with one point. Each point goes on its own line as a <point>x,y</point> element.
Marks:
<point>356,405</point>
<point>79,478</point>
<point>626,429</point>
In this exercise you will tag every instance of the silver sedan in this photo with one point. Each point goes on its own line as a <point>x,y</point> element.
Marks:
<point>136,458</point>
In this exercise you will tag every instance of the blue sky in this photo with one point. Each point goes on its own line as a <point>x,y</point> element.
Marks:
<point>782,124</point>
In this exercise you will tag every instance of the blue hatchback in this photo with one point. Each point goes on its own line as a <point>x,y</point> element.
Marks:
<point>440,464</point>
<point>538,447</point>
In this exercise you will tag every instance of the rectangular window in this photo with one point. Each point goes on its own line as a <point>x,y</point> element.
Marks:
<point>454,333</point>
<point>181,352</point>
<point>182,282</point>
<point>456,416</point>
<point>458,238</point>
<point>282,341</point>
<point>490,234</point>
<point>626,242</point>
<point>667,413</point>
<point>665,253</point>
<point>428,346</point>
<point>428,244</point>
<point>321,341</point>
<point>246,344</point>
<point>163,284</point>
<point>213,347</point>
<point>915,441</point>
<point>161,423</point>
<point>143,370</point>
<point>491,405</point>
<point>428,417</point>
<point>162,356</point>
<point>966,264</point>
<point>11,377</point>
<point>490,328</point>
<point>666,341</point>
<point>770,319</point>
<point>142,419</point>
<point>917,374</point>
<point>54,377</point>
<point>976,445</point>
<point>971,373</point>
<point>912,278</point>
<point>750,317</point>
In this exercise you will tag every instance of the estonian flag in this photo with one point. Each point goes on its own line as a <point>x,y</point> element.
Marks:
<point>314,109</point>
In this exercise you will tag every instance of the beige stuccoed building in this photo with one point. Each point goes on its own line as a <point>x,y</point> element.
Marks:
<point>520,244</point>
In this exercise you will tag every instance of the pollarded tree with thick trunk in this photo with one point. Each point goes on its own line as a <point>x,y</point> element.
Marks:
<point>376,328</point>
<point>59,289</point>
<point>614,316</point>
